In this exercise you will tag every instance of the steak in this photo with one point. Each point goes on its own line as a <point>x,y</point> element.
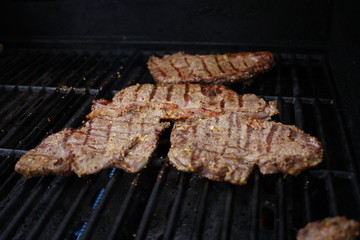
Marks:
<point>209,69</point>
<point>124,133</point>
<point>335,228</point>
<point>227,147</point>
<point>124,142</point>
<point>181,101</point>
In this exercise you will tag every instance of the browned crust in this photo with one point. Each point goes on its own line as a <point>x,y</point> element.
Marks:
<point>215,147</point>
<point>209,69</point>
<point>332,228</point>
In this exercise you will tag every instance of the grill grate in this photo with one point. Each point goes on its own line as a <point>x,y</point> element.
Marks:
<point>43,91</point>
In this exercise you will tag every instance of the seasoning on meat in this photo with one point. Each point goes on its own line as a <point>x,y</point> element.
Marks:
<point>209,69</point>
<point>227,147</point>
<point>125,142</point>
<point>181,101</point>
<point>124,133</point>
<point>333,228</point>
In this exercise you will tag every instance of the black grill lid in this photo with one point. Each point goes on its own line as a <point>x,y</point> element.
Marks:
<point>44,91</point>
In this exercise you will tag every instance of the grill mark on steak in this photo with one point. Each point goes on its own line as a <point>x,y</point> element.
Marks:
<point>109,127</point>
<point>211,68</point>
<point>204,66</point>
<point>88,132</point>
<point>231,123</point>
<point>176,69</point>
<point>218,65</point>
<point>153,92</point>
<point>222,104</point>
<point>187,63</point>
<point>292,135</point>
<point>186,95</point>
<point>229,160</point>
<point>163,74</point>
<point>139,86</point>
<point>240,101</point>
<point>208,91</point>
<point>169,91</point>
<point>269,138</point>
<point>244,62</point>
<point>194,128</point>
<point>202,100</point>
<point>130,122</point>
<point>195,157</point>
<point>249,131</point>
<point>232,65</point>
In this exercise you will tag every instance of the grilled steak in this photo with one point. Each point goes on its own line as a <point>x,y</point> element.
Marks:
<point>209,69</point>
<point>124,142</point>
<point>335,228</point>
<point>227,147</point>
<point>124,133</point>
<point>51,156</point>
<point>181,101</point>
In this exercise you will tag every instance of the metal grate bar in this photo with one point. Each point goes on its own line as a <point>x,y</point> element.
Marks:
<point>331,192</point>
<point>92,70</point>
<point>17,66</point>
<point>294,77</point>
<point>31,68</point>
<point>123,208</point>
<point>255,208</point>
<point>5,96</point>
<point>99,206</point>
<point>111,80</point>
<point>5,59</point>
<point>11,58</point>
<point>169,230</point>
<point>62,61</point>
<point>14,103</point>
<point>68,78</point>
<point>229,205</point>
<point>21,211</point>
<point>36,130</point>
<point>278,74</point>
<point>54,76</point>
<point>26,122</point>
<point>308,210</point>
<point>45,213</point>
<point>281,209</point>
<point>199,220</point>
<point>151,202</point>
<point>69,215</point>
<point>32,76</point>
<point>289,187</point>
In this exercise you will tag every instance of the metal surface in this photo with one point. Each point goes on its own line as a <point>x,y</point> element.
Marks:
<point>44,91</point>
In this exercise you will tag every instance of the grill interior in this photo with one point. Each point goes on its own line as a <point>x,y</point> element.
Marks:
<point>46,90</point>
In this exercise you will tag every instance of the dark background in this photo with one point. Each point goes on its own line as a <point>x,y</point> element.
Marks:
<point>324,25</point>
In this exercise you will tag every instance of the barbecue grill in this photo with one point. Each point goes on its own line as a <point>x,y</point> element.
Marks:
<point>49,83</point>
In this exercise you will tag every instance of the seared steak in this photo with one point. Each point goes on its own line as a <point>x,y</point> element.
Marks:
<point>181,101</point>
<point>227,147</point>
<point>51,156</point>
<point>209,69</point>
<point>124,133</point>
<point>124,142</point>
<point>335,228</point>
